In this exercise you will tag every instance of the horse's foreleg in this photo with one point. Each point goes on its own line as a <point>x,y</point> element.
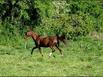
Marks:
<point>33,49</point>
<point>40,51</point>
<point>59,50</point>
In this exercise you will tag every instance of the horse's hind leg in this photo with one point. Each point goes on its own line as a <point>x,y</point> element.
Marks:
<point>53,50</point>
<point>64,42</point>
<point>33,49</point>
<point>58,43</point>
<point>59,50</point>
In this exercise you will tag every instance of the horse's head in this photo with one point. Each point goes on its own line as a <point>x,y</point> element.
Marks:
<point>32,34</point>
<point>29,33</point>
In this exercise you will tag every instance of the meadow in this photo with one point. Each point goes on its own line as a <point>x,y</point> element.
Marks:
<point>82,23</point>
<point>82,57</point>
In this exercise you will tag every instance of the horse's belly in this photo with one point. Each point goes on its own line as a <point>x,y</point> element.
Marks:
<point>43,45</point>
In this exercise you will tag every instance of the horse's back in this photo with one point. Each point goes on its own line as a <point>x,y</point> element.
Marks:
<point>48,41</point>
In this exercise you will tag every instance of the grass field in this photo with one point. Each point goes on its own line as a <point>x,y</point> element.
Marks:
<point>83,57</point>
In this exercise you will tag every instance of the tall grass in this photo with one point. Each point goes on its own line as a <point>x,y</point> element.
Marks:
<point>83,57</point>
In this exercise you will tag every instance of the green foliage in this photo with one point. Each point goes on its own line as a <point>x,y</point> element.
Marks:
<point>74,18</point>
<point>49,17</point>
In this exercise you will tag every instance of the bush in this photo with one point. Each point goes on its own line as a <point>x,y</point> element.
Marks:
<point>74,18</point>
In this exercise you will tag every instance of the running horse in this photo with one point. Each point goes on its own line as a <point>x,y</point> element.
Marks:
<point>49,41</point>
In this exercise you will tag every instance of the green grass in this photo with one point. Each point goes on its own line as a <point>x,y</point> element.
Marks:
<point>83,57</point>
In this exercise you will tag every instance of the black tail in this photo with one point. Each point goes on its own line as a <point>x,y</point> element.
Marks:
<point>61,38</point>
<point>57,40</point>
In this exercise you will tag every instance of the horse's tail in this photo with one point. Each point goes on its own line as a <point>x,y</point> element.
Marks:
<point>58,41</point>
<point>61,38</point>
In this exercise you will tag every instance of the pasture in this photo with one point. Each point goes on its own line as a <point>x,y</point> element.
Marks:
<point>83,57</point>
<point>81,22</point>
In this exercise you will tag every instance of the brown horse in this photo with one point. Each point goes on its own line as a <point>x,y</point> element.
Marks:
<point>50,41</point>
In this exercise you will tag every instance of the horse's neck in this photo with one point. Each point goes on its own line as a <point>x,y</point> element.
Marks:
<point>35,38</point>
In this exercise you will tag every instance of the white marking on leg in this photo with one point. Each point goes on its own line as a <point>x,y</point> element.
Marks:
<point>50,54</point>
<point>62,55</point>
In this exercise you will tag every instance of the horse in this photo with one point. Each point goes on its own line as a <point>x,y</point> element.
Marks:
<point>48,41</point>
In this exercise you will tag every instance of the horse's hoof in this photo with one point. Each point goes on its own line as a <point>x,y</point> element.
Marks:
<point>50,54</point>
<point>54,56</point>
<point>62,55</point>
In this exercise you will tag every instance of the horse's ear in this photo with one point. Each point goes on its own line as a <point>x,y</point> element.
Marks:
<point>29,28</point>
